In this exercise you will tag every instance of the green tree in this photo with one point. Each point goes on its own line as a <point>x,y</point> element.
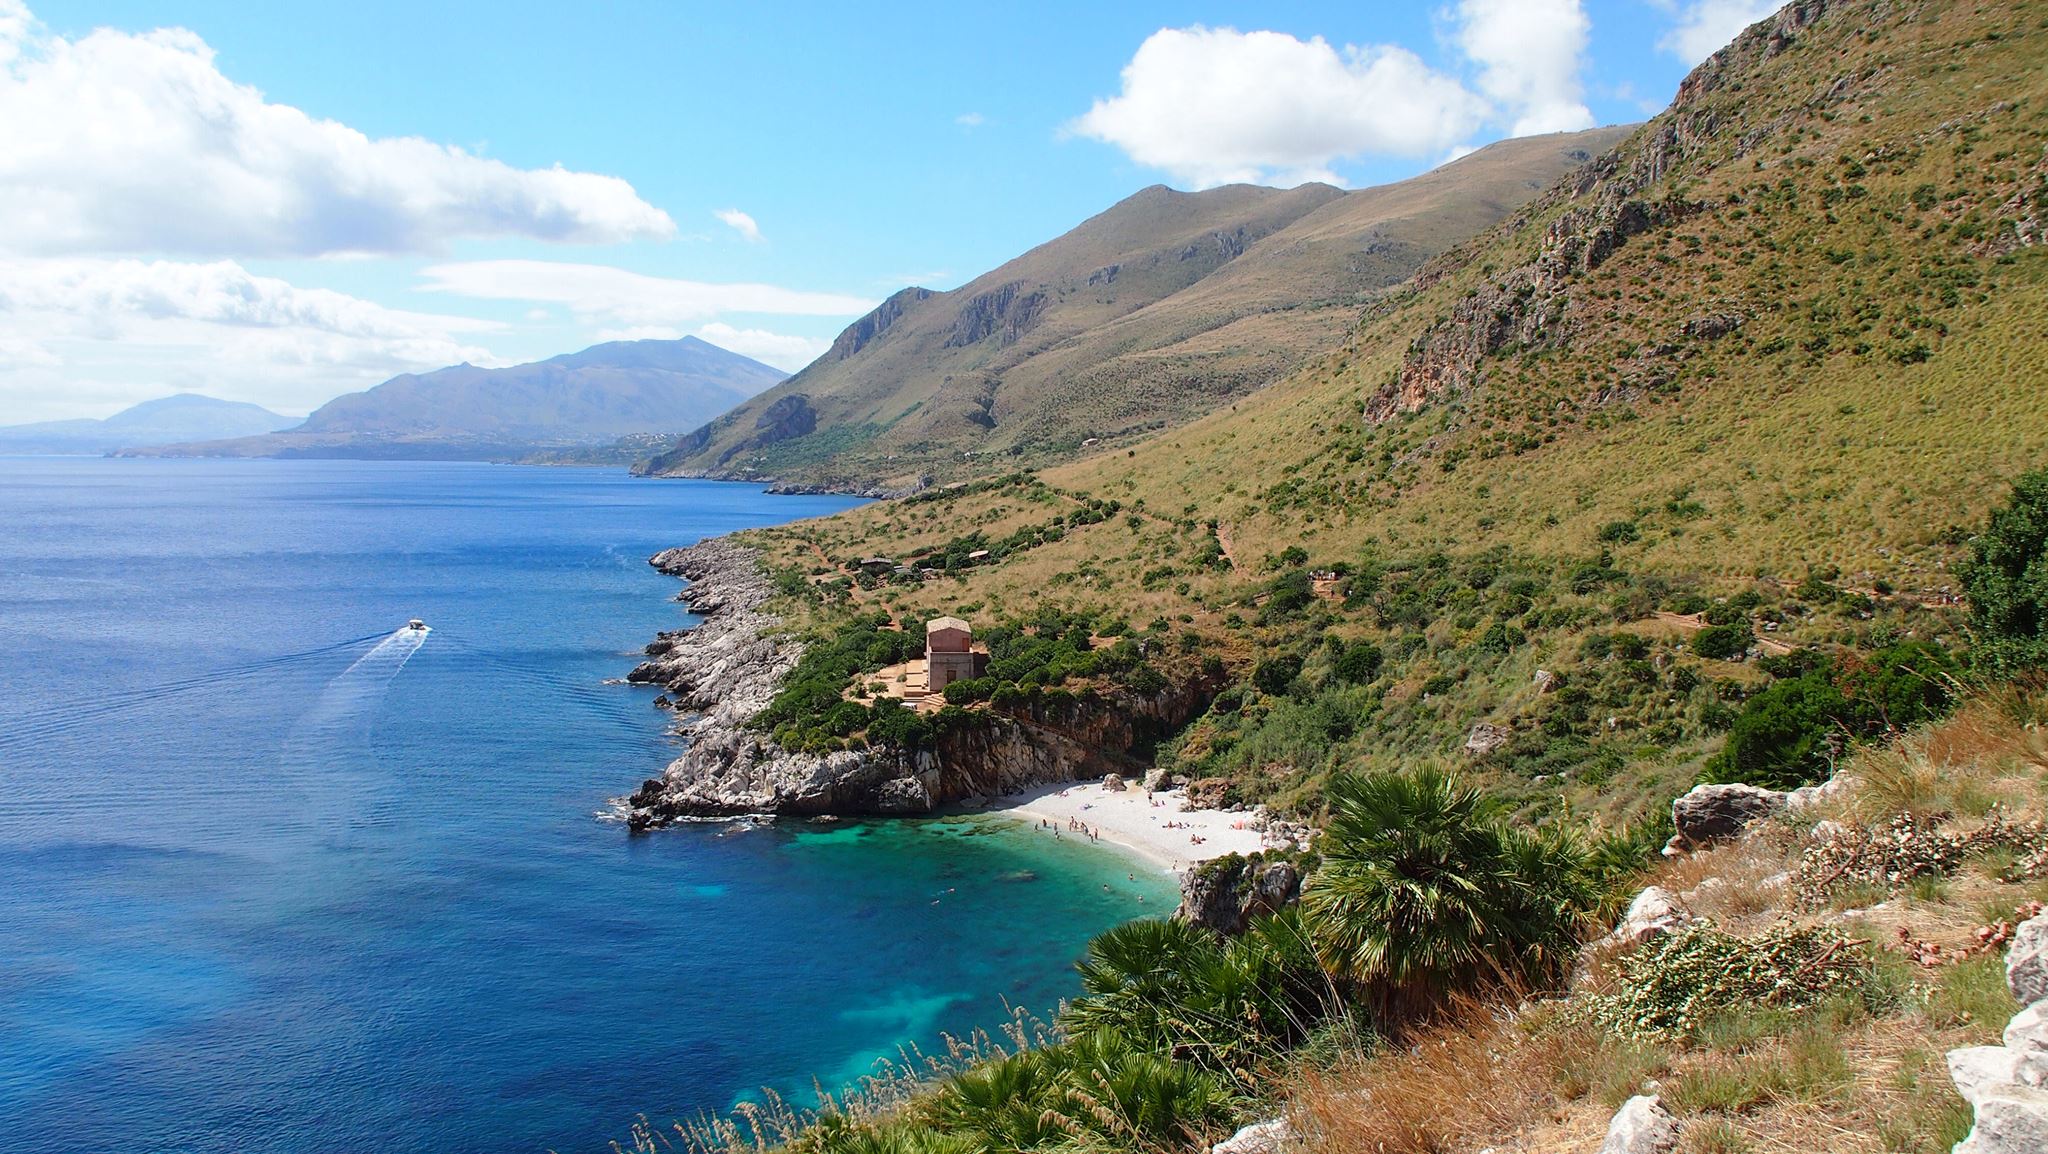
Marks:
<point>2006,580</point>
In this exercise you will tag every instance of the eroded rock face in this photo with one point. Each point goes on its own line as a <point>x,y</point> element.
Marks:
<point>722,673</point>
<point>1711,813</point>
<point>1225,895</point>
<point>1641,1126</point>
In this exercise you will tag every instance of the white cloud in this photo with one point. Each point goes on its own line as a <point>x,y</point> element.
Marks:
<point>788,353</point>
<point>626,299</point>
<point>123,328</point>
<point>1214,105</point>
<point>1530,54</point>
<point>970,120</point>
<point>17,353</point>
<point>1704,27</point>
<point>740,223</point>
<point>136,143</point>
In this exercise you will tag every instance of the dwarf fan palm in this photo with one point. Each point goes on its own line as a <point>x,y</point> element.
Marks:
<point>1425,888</point>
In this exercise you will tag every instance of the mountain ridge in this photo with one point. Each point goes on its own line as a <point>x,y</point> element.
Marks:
<point>163,420</point>
<point>593,396</point>
<point>1146,314</point>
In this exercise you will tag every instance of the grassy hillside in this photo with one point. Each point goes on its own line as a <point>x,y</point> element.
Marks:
<point>1773,352</point>
<point>1153,312</point>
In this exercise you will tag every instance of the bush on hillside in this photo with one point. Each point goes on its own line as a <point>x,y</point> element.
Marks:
<point>2006,580</point>
<point>1723,642</point>
<point>1790,734</point>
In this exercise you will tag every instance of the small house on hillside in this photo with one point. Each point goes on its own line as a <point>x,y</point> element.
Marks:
<point>949,654</point>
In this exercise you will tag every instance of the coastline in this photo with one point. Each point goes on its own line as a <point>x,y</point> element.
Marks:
<point>1136,822</point>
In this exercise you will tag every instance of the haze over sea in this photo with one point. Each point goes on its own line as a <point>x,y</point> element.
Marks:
<point>276,880</point>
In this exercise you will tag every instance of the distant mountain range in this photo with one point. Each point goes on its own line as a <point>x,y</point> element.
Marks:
<point>1167,306</point>
<point>592,398</point>
<point>167,420</point>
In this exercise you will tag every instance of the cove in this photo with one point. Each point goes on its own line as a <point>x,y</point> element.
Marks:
<point>276,881</point>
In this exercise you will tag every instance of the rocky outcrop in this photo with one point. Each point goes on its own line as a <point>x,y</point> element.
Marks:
<point>724,671</point>
<point>1227,893</point>
<point>1539,304</point>
<point>861,333</point>
<point>1641,1126</point>
<point>1711,813</point>
<point>2007,1086</point>
<point>1486,739</point>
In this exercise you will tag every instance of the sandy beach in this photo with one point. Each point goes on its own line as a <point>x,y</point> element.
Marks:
<point>1132,821</point>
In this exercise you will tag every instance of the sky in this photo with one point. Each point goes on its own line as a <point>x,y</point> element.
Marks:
<point>281,203</point>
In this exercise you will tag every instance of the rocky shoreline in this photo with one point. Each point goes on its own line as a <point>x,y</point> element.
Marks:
<point>721,673</point>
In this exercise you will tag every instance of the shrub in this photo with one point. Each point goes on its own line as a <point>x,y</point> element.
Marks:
<point>1787,735</point>
<point>1620,532</point>
<point>1426,889</point>
<point>1359,663</point>
<point>2006,580</point>
<point>1273,675</point>
<point>1677,985</point>
<point>970,690</point>
<point>1723,642</point>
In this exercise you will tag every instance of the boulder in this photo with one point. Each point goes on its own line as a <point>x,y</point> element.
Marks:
<point>1654,913</point>
<point>1113,782</point>
<point>2026,962</point>
<point>1641,1126</point>
<point>2010,1120</point>
<point>1833,789</point>
<point>1711,813</point>
<point>1484,739</point>
<point>1545,681</point>
<point>1976,1069</point>
<point>1158,778</point>
<point>1265,1137</point>
<point>1208,896</point>
<point>2026,1036</point>
<point>1274,887</point>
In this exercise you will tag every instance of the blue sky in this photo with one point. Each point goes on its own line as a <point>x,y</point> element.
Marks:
<point>282,202</point>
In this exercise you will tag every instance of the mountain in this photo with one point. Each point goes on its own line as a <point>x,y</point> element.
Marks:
<point>592,397</point>
<point>1792,322</point>
<point>183,417</point>
<point>1160,309</point>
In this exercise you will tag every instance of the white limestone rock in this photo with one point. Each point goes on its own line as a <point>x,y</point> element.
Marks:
<point>1655,913</point>
<point>2010,1120</point>
<point>2026,962</point>
<point>1267,1137</point>
<point>1641,1126</point>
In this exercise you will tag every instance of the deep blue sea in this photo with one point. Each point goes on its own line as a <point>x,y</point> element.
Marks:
<point>274,879</point>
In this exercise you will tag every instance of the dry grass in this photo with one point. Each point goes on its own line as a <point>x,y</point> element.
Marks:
<point>1993,751</point>
<point>1471,1082</point>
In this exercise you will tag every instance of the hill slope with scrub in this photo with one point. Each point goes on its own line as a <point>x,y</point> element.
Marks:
<point>1157,310</point>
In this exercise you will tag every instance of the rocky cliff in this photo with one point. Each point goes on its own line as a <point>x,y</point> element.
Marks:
<point>724,671</point>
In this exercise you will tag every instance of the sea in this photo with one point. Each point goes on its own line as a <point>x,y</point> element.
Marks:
<point>280,874</point>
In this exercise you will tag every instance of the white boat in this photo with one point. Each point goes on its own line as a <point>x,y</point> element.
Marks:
<point>416,625</point>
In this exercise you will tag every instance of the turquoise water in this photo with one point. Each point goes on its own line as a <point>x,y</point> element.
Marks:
<point>279,879</point>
